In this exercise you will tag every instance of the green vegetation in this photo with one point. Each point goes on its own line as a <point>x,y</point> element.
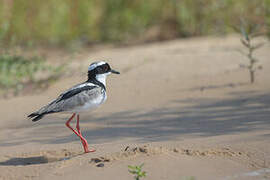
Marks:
<point>190,178</point>
<point>17,71</point>
<point>267,17</point>
<point>137,171</point>
<point>248,34</point>
<point>64,22</point>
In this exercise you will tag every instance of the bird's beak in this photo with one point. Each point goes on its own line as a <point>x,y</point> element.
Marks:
<point>115,72</point>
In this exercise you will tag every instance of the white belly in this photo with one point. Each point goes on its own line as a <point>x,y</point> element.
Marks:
<point>93,104</point>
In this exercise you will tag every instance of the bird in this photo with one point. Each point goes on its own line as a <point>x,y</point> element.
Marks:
<point>82,97</point>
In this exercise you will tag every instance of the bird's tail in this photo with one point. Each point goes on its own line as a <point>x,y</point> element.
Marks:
<point>36,116</point>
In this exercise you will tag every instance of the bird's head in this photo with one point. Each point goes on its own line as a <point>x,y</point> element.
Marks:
<point>99,70</point>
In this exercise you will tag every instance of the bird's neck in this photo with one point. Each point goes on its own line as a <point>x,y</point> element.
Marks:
<point>99,79</point>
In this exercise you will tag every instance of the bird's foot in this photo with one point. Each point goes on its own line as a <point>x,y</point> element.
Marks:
<point>88,151</point>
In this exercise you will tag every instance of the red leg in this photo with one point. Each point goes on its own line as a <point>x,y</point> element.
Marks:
<point>79,130</point>
<point>83,140</point>
<point>78,124</point>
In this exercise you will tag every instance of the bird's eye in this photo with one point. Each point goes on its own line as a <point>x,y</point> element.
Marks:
<point>99,69</point>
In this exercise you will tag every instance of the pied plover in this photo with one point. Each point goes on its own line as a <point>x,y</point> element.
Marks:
<point>85,96</point>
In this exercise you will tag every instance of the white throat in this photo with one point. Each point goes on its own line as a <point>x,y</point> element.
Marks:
<point>102,78</point>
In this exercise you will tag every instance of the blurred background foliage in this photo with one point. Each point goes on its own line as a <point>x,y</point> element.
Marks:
<point>63,22</point>
<point>16,72</point>
<point>75,23</point>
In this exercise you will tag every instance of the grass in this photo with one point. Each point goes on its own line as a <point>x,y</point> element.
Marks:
<point>65,22</point>
<point>17,71</point>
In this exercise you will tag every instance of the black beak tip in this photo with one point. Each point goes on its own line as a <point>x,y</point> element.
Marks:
<point>115,72</point>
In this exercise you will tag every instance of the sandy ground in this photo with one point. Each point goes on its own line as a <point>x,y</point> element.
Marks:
<point>184,108</point>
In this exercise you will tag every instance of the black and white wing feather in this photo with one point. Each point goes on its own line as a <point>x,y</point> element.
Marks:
<point>79,97</point>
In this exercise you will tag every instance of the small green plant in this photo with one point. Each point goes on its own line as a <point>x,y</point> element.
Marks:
<point>190,178</point>
<point>137,171</point>
<point>248,34</point>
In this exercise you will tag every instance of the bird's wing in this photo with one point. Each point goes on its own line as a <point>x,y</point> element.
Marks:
<point>72,92</point>
<point>73,97</point>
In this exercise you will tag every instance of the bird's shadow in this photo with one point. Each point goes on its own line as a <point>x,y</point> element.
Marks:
<point>24,161</point>
<point>34,159</point>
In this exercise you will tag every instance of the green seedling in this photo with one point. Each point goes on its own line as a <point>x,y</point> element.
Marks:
<point>248,34</point>
<point>190,178</point>
<point>137,171</point>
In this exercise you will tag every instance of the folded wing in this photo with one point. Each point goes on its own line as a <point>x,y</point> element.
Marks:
<point>77,96</point>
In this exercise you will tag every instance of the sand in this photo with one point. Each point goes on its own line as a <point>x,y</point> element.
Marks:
<point>184,108</point>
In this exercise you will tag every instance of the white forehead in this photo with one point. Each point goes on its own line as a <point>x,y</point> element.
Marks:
<point>95,64</point>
